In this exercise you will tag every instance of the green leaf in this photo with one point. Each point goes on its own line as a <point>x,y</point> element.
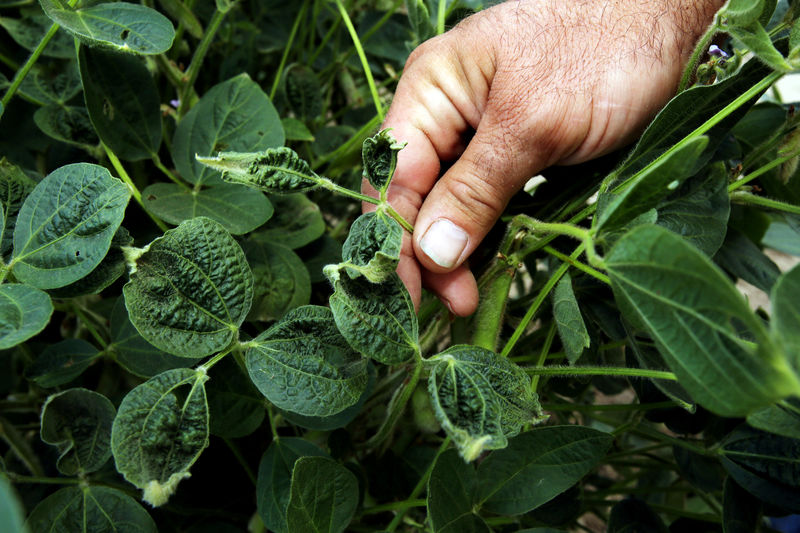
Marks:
<point>744,259</point>
<point>786,313</point>
<point>275,479</point>
<point>275,170</point>
<point>297,222</point>
<point>379,156</point>
<point>303,92</point>
<point>633,515</point>
<point>304,365</point>
<point>160,430</point>
<point>648,357</point>
<point>781,419</point>
<point>537,466</point>
<point>235,407</point>
<point>758,41</point>
<point>452,488</point>
<point>743,12</point>
<point>131,28</point>
<point>122,101</point>
<point>191,289</point>
<point>296,130</point>
<point>178,10</point>
<point>68,124</point>
<point>766,465</point>
<point>420,20</point>
<point>46,87</point>
<point>65,227</point>
<point>650,186</point>
<point>567,314</point>
<point>377,319</point>
<point>235,115</point>
<point>741,513</point>
<point>480,398</point>
<point>61,362</point>
<point>281,281</point>
<point>699,210</point>
<point>323,496</point>
<point>135,354</point>
<point>24,312</point>
<point>324,251</point>
<point>29,30</point>
<point>78,422</point>
<point>90,509</point>
<point>239,209</point>
<point>696,317</point>
<point>12,516</point>
<point>373,245</point>
<point>15,186</point>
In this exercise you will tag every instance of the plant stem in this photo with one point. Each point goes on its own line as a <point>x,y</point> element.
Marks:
<point>396,407</point>
<point>89,326</point>
<point>362,56</point>
<point>548,342</point>
<point>16,478</point>
<point>608,407</point>
<point>216,359</point>
<point>240,459</point>
<point>157,162</point>
<point>538,227</point>
<point>440,16</point>
<point>762,170</point>
<point>600,371</point>
<point>197,60</point>
<point>488,321</point>
<point>345,148</point>
<point>23,71</point>
<point>699,52</point>
<point>583,267</point>
<point>395,215</point>
<point>423,481</point>
<point>394,506</point>
<point>537,302</point>
<point>288,48</point>
<point>137,195</point>
<point>20,447</point>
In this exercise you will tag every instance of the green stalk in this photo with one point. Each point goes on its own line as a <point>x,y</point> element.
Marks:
<point>583,267</point>
<point>362,56</point>
<point>548,342</point>
<point>285,57</point>
<point>16,478</point>
<point>394,506</point>
<point>762,170</point>
<point>240,459</point>
<point>697,54</point>
<point>20,447</point>
<point>396,407</point>
<point>440,17</point>
<point>746,198</point>
<point>600,371</point>
<point>175,179</point>
<point>197,61</point>
<point>216,359</point>
<point>350,143</point>
<point>137,195</point>
<point>89,326</point>
<point>488,320</point>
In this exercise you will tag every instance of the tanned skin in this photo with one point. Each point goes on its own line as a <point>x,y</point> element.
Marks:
<point>511,90</point>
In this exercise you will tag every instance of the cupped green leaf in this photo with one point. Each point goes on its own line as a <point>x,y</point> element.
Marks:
<point>323,496</point>
<point>696,318</point>
<point>786,313</point>
<point>68,124</point>
<point>160,430</point>
<point>90,509</point>
<point>377,319</point>
<point>379,156</point>
<point>235,115</point>
<point>234,405</point>
<point>480,398</point>
<point>281,280</point>
<point>765,465</point>
<point>12,515</point>
<point>275,170</point>
<point>135,354</point>
<point>45,87</point>
<point>537,466</point>
<point>191,289</point>
<point>297,222</point>
<point>452,488</point>
<point>569,321</point>
<point>239,209</point>
<point>373,245</point>
<point>303,92</point>
<point>122,101</point>
<point>61,362</point>
<point>78,422</point>
<point>15,186</point>
<point>275,479</point>
<point>65,227</point>
<point>304,365</point>
<point>24,312</point>
<point>132,28</point>
<point>649,187</point>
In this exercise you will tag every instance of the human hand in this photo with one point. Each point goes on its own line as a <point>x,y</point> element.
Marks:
<point>539,82</point>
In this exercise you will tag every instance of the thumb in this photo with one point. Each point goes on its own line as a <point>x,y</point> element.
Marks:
<point>468,199</point>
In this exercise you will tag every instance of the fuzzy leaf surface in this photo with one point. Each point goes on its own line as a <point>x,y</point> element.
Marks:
<point>78,422</point>
<point>379,156</point>
<point>373,245</point>
<point>160,430</point>
<point>569,321</point>
<point>123,26</point>
<point>65,227</point>
<point>695,316</point>
<point>323,496</point>
<point>304,365</point>
<point>281,280</point>
<point>235,115</point>
<point>275,170</point>
<point>15,186</point>
<point>24,312</point>
<point>480,398</point>
<point>191,290</point>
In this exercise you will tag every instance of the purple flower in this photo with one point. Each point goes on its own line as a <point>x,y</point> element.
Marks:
<point>175,103</point>
<point>716,51</point>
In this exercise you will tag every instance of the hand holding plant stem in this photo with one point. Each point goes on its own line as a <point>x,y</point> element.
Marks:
<point>512,90</point>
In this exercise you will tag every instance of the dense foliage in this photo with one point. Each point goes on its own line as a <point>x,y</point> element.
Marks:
<point>195,315</point>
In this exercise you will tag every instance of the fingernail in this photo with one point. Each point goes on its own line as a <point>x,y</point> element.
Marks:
<point>444,242</point>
